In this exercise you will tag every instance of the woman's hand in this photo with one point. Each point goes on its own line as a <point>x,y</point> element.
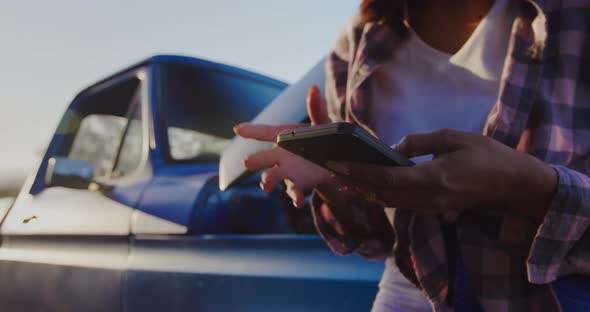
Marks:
<point>468,171</point>
<point>299,174</point>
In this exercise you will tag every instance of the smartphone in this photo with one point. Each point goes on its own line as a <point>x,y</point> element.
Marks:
<point>340,141</point>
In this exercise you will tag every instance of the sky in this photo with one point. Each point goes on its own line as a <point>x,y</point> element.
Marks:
<point>49,50</point>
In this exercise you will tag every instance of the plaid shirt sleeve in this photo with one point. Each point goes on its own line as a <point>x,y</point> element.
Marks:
<point>367,231</point>
<point>371,235</point>
<point>336,79</point>
<point>560,247</point>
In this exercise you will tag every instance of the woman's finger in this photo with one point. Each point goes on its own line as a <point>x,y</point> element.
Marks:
<point>387,177</point>
<point>263,159</point>
<point>329,218</point>
<point>417,200</point>
<point>263,132</point>
<point>295,194</point>
<point>436,143</point>
<point>271,177</point>
<point>379,195</point>
<point>398,199</point>
<point>316,107</point>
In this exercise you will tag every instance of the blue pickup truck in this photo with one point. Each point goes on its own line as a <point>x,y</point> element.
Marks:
<point>125,214</point>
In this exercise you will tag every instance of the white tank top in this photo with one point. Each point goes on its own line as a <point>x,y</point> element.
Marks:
<point>421,89</point>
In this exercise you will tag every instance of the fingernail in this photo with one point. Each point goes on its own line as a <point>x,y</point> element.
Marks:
<point>399,144</point>
<point>313,89</point>
<point>338,167</point>
<point>261,184</point>
<point>309,95</point>
<point>237,128</point>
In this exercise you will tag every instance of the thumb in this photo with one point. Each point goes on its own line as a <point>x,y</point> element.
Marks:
<point>316,107</point>
<point>438,142</point>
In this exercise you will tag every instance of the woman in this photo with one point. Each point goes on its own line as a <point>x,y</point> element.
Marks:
<point>501,210</point>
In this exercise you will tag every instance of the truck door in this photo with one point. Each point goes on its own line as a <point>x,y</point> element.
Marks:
<point>65,244</point>
<point>244,250</point>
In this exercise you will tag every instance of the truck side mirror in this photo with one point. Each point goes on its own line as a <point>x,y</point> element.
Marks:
<point>71,173</point>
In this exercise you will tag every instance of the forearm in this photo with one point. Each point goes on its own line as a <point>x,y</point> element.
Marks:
<point>532,187</point>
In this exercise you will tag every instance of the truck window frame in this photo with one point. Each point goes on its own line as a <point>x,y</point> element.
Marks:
<point>162,131</point>
<point>138,101</point>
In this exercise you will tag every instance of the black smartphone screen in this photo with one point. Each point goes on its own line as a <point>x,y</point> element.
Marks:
<point>340,142</point>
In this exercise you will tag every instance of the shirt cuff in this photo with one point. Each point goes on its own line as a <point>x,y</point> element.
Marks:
<point>566,220</point>
<point>376,244</point>
<point>339,244</point>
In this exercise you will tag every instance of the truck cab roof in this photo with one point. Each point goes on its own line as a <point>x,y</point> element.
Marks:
<point>187,60</point>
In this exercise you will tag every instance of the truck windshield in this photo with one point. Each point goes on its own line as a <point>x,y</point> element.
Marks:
<point>199,106</point>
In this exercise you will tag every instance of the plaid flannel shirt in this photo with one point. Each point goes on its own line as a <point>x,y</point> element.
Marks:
<point>543,109</point>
